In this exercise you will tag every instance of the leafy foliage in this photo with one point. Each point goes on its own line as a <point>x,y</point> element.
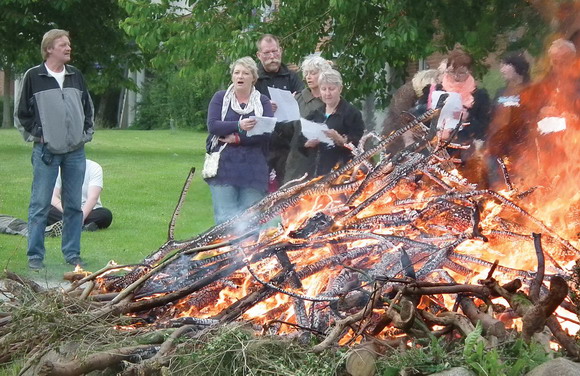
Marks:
<point>368,40</point>
<point>100,48</point>
<point>521,357</point>
<point>480,359</point>
<point>49,320</point>
<point>171,101</point>
<point>436,357</point>
<point>234,350</point>
<point>510,358</point>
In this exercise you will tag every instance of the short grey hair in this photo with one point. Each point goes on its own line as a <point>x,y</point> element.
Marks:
<point>330,77</point>
<point>248,63</point>
<point>267,38</point>
<point>562,47</point>
<point>48,40</point>
<point>315,64</point>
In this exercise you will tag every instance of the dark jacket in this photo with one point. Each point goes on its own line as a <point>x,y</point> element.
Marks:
<point>243,164</point>
<point>284,79</point>
<point>63,118</point>
<point>346,120</point>
<point>479,118</point>
<point>282,135</point>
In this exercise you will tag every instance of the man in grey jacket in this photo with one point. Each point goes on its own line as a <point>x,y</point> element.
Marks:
<point>54,111</point>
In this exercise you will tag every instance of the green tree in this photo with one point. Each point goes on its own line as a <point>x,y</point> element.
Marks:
<point>360,36</point>
<point>101,49</point>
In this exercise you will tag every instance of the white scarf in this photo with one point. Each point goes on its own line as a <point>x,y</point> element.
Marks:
<point>254,103</point>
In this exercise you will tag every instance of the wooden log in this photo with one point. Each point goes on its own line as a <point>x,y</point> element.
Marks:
<point>535,317</point>
<point>342,324</point>
<point>144,305</point>
<point>568,342</point>
<point>491,326</point>
<point>155,364</point>
<point>94,362</point>
<point>24,281</point>
<point>538,280</point>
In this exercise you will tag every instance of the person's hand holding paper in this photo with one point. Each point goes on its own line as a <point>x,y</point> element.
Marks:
<point>263,125</point>
<point>315,131</point>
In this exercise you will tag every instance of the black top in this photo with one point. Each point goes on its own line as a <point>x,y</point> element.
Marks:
<point>319,160</point>
<point>284,79</point>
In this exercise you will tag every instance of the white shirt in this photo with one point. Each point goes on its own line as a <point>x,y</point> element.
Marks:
<point>93,178</point>
<point>59,76</point>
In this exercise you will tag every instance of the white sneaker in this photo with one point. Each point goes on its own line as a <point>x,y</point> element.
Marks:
<point>54,230</point>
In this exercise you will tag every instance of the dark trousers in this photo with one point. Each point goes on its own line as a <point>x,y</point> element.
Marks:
<point>101,216</point>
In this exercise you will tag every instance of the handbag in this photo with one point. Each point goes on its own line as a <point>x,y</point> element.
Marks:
<point>212,160</point>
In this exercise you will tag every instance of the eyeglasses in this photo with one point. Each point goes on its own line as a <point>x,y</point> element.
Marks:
<point>458,72</point>
<point>270,53</point>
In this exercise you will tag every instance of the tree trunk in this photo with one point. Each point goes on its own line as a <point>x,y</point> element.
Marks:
<point>6,107</point>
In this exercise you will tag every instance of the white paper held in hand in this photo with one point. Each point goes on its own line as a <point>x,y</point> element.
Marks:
<point>263,125</point>
<point>315,131</point>
<point>451,111</point>
<point>287,106</point>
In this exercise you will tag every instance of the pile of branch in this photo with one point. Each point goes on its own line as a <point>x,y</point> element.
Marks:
<point>383,239</point>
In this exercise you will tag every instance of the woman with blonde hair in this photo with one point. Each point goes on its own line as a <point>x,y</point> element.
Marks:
<point>409,99</point>
<point>242,175</point>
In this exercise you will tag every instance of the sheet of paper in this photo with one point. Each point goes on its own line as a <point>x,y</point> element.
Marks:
<point>451,111</point>
<point>287,106</point>
<point>551,124</point>
<point>263,125</point>
<point>315,131</point>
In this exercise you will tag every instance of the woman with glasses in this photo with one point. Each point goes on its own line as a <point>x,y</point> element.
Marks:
<point>475,102</point>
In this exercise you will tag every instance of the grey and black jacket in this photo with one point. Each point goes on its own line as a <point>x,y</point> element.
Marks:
<point>61,118</point>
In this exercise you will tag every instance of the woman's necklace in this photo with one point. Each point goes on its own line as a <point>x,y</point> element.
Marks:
<point>242,98</point>
<point>329,111</point>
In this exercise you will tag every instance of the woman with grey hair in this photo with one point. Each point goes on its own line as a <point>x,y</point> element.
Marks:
<point>309,98</point>
<point>345,126</point>
<point>308,101</point>
<point>242,175</point>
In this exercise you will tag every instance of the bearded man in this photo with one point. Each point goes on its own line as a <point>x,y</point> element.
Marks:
<point>273,73</point>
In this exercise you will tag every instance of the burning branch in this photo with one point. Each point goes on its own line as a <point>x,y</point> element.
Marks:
<point>539,278</point>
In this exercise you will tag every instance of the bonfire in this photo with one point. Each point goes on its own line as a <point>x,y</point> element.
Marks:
<point>392,250</point>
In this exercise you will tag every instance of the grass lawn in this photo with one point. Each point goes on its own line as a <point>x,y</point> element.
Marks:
<point>144,172</point>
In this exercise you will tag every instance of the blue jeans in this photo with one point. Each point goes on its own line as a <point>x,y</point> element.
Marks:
<point>229,200</point>
<point>72,166</point>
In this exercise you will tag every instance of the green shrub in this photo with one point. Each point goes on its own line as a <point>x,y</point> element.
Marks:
<point>171,100</point>
<point>234,350</point>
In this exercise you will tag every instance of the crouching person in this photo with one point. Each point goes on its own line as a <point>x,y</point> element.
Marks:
<point>95,216</point>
